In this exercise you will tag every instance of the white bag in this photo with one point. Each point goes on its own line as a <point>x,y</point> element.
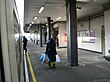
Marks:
<point>57,58</point>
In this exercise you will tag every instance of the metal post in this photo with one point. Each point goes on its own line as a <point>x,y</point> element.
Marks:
<point>49,26</point>
<point>40,35</point>
<point>72,50</point>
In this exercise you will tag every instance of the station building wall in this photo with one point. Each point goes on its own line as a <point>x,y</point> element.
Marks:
<point>94,24</point>
<point>62,33</point>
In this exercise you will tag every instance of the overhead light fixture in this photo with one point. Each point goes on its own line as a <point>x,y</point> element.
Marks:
<point>41,9</point>
<point>32,23</point>
<point>35,18</point>
<point>28,28</point>
<point>84,0</point>
<point>58,18</point>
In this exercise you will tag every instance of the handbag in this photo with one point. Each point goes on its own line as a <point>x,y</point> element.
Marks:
<point>57,58</point>
<point>44,58</point>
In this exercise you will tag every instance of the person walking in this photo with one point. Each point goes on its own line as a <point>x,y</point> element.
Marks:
<point>51,52</point>
<point>25,43</point>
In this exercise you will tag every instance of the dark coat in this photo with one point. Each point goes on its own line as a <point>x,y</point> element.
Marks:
<point>51,50</point>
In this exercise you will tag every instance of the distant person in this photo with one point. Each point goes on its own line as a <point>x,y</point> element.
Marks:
<point>51,52</point>
<point>25,43</point>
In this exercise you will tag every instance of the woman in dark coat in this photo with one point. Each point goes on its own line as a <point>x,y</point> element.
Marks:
<point>51,52</point>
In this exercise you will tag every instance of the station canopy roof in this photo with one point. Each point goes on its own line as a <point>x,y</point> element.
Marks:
<point>57,8</point>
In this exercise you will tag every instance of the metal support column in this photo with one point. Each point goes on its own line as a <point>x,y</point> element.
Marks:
<point>45,30</point>
<point>40,26</point>
<point>72,49</point>
<point>52,33</point>
<point>49,27</point>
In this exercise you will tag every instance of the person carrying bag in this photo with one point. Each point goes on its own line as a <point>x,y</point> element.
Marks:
<point>51,52</point>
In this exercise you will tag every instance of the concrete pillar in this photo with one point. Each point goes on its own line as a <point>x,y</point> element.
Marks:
<point>45,30</point>
<point>37,32</point>
<point>52,32</point>
<point>49,27</point>
<point>72,49</point>
<point>40,26</point>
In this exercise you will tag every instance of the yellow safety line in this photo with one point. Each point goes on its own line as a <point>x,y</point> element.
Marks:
<point>31,69</point>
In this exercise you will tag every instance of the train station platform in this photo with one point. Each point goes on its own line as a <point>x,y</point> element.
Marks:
<point>92,67</point>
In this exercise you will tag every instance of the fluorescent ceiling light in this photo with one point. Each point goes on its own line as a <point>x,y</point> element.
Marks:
<point>58,18</point>
<point>85,0</point>
<point>28,28</point>
<point>41,9</point>
<point>32,23</point>
<point>35,18</point>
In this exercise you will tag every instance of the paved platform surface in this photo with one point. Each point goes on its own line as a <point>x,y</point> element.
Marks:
<point>92,67</point>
